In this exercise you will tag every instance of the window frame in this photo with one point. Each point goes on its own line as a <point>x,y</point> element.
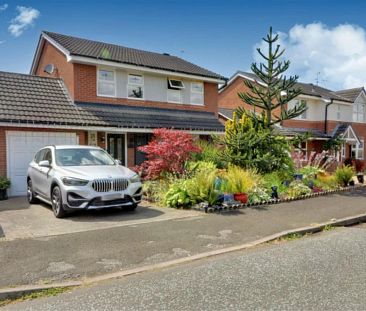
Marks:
<point>114,82</point>
<point>176,91</point>
<point>174,87</point>
<point>356,112</point>
<point>202,93</point>
<point>356,149</point>
<point>142,85</point>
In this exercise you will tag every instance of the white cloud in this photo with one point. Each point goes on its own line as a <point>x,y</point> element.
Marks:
<point>25,18</point>
<point>338,53</point>
<point>3,7</point>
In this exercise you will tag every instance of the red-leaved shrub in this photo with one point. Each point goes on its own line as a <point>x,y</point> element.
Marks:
<point>166,153</point>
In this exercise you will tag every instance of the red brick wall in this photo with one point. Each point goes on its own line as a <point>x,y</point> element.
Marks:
<point>228,97</point>
<point>64,70</point>
<point>3,159</point>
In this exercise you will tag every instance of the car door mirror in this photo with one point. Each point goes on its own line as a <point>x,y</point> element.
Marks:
<point>118,162</point>
<point>44,163</point>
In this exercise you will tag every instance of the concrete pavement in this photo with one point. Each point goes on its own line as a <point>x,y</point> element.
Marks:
<point>322,272</point>
<point>92,253</point>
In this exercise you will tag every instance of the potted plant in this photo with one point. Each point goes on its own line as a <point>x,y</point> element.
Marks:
<point>4,186</point>
<point>239,182</point>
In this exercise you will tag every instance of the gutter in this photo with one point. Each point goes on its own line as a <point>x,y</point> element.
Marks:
<point>326,114</point>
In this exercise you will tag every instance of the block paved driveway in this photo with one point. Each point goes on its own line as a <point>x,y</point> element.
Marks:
<point>19,220</point>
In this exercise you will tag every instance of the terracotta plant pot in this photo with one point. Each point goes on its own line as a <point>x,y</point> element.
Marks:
<point>241,197</point>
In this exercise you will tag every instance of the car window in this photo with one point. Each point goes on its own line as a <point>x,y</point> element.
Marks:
<point>39,156</point>
<point>47,156</point>
<point>82,157</point>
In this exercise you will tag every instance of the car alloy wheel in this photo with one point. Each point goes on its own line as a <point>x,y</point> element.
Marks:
<point>57,203</point>
<point>30,194</point>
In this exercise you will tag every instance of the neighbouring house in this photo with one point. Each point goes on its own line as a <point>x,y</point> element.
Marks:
<point>330,114</point>
<point>86,92</point>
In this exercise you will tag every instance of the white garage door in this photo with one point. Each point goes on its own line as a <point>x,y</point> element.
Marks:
<point>21,147</point>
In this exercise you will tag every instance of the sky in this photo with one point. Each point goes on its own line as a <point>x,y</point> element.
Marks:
<point>325,40</point>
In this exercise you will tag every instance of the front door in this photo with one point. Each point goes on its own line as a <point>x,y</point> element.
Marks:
<point>116,147</point>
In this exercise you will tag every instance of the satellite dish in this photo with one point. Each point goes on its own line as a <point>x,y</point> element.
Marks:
<point>50,68</point>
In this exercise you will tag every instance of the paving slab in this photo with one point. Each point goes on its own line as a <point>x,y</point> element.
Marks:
<point>91,253</point>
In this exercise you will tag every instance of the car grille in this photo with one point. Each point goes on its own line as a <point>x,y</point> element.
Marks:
<point>105,185</point>
<point>100,202</point>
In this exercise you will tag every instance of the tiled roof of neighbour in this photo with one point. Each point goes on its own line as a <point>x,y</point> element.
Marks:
<point>32,99</point>
<point>340,129</point>
<point>111,52</point>
<point>147,117</point>
<point>227,113</point>
<point>291,131</point>
<point>351,94</point>
<point>306,88</point>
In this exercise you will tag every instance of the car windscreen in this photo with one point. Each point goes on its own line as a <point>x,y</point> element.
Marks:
<point>82,157</point>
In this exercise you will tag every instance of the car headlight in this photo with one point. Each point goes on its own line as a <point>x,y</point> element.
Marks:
<point>135,178</point>
<point>70,181</point>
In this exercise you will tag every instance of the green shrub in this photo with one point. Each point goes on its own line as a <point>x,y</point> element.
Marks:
<point>154,190</point>
<point>275,179</point>
<point>200,188</point>
<point>258,195</point>
<point>238,180</point>
<point>309,172</point>
<point>297,188</point>
<point>209,153</point>
<point>4,182</point>
<point>326,182</point>
<point>344,175</point>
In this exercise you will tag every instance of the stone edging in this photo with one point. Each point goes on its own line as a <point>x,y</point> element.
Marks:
<point>220,209</point>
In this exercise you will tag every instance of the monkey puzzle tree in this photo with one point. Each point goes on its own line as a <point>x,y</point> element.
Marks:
<point>275,90</point>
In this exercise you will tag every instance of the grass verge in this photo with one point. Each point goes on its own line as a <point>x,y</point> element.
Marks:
<point>37,294</point>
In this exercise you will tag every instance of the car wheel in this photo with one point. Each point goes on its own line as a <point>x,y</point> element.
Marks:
<point>30,193</point>
<point>57,205</point>
<point>130,208</point>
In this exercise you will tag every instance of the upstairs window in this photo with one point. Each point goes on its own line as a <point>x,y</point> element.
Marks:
<point>175,84</point>
<point>106,81</point>
<point>358,112</point>
<point>174,96</point>
<point>135,86</point>
<point>297,103</point>
<point>339,112</point>
<point>197,93</point>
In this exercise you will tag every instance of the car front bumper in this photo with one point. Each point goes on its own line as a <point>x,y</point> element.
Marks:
<point>87,198</point>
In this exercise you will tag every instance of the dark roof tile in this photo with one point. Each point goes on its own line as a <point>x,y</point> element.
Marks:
<point>100,50</point>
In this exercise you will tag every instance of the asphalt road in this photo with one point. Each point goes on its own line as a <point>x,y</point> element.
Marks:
<point>92,253</point>
<point>322,272</point>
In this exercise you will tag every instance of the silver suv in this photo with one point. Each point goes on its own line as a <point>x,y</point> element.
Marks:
<point>81,177</point>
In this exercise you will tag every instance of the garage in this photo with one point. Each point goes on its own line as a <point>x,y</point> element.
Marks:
<point>21,147</point>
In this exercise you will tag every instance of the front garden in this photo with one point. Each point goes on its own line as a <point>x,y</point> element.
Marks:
<point>250,163</point>
<point>184,173</point>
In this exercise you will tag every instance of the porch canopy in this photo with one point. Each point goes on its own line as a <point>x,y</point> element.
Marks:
<point>134,117</point>
<point>347,133</point>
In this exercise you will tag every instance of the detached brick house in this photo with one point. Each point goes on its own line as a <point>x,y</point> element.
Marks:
<point>329,114</point>
<point>86,92</point>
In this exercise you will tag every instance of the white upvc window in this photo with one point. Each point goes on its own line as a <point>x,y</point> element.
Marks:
<point>339,116</point>
<point>175,84</point>
<point>106,83</point>
<point>358,112</point>
<point>297,103</point>
<point>174,96</point>
<point>197,93</point>
<point>135,86</point>
<point>357,150</point>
